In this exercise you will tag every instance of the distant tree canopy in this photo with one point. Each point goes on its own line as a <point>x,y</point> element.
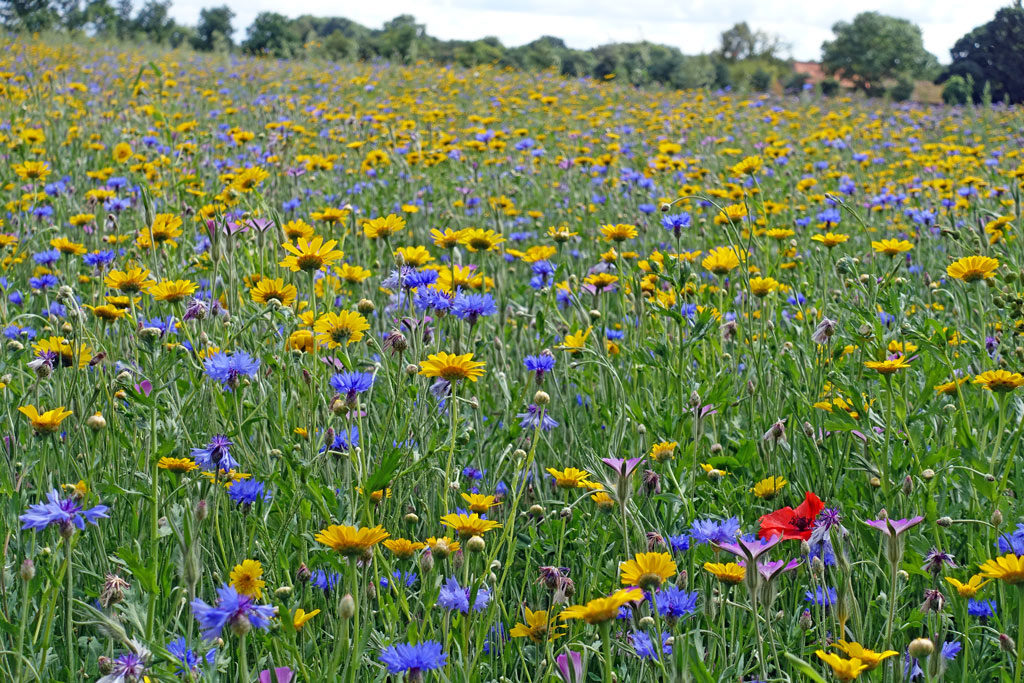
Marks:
<point>991,57</point>
<point>875,48</point>
<point>214,29</point>
<point>871,49</point>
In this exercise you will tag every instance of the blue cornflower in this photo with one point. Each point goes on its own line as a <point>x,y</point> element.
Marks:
<point>46,258</point>
<point>189,661</point>
<point>534,416</point>
<point>821,596</point>
<point>229,369</point>
<point>325,581</point>
<point>231,608</point>
<point>61,511</point>
<point>470,472</point>
<point>216,455</point>
<point>704,531</point>
<point>1012,542</point>
<point>352,383</point>
<point>44,281</point>
<point>644,646</point>
<point>98,259</point>
<point>676,223</point>
<point>540,364</point>
<point>344,440</point>
<point>412,659</point>
<point>454,596</point>
<point>982,609</point>
<point>471,307</point>
<point>680,543</point>
<point>428,298</point>
<point>675,603</point>
<point>420,278</point>
<point>400,577</point>
<point>248,491</point>
<point>497,637</point>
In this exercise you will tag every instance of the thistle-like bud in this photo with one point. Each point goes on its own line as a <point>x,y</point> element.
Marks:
<point>303,573</point>
<point>997,518</point>
<point>427,561</point>
<point>1006,643</point>
<point>202,510</point>
<point>28,570</point>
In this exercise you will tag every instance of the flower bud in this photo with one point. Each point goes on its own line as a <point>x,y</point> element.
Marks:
<point>365,306</point>
<point>96,422</point>
<point>347,607</point>
<point>411,518</point>
<point>283,592</point>
<point>997,518</point>
<point>944,521</point>
<point>441,549</point>
<point>28,570</point>
<point>806,620</point>
<point>240,625</point>
<point>921,647</point>
<point>1006,643</point>
<point>411,369</point>
<point>541,398</point>
<point>475,544</point>
<point>928,474</point>
<point>875,482</point>
<point>646,622</point>
<point>427,561</point>
<point>536,511</point>
<point>518,454</point>
<point>908,485</point>
<point>303,573</point>
<point>202,510</point>
<point>105,665</point>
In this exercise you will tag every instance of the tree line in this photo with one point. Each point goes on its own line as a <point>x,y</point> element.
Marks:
<point>874,53</point>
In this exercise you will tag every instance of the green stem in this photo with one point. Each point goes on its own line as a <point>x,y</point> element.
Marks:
<point>1017,670</point>
<point>69,621</point>
<point>22,626</point>
<point>607,650</point>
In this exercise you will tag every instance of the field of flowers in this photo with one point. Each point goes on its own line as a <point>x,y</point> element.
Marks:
<point>315,372</point>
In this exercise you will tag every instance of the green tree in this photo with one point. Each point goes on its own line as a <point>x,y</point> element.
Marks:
<point>875,48</point>
<point>214,29</point>
<point>154,22</point>
<point>28,15</point>
<point>992,54</point>
<point>742,42</point>
<point>271,34</point>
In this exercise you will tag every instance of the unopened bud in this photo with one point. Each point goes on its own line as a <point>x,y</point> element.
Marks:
<point>28,569</point>
<point>944,522</point>
<point>411,369</point>
<point>427,561</point>
<point>1006,643</point>
<point>202,510</point>
<point>475,544</point>
<point>997,517</point>
<point>536,511</point>
<point>347,607</point>
<point>908,485</point>
<point>411,518</point>
<point>303,573</point>
<point>928,474</point>
<point>921,647</point>
<point>541,398</point>
<point>365,306</point>
<point>875,482</point>
<point>283,591</point>
<point>806,620</point>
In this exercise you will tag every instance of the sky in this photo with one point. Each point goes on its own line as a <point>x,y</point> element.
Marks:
<point>692,26</point>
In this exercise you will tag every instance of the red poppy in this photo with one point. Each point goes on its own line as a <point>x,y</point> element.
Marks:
<point>790,523</point>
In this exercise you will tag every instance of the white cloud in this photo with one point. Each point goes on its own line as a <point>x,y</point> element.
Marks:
<point>693,26</point>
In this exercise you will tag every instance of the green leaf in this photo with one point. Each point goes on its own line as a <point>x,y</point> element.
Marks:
<point>144,575</point>
<point>382,475</point>
<point>804,668</point>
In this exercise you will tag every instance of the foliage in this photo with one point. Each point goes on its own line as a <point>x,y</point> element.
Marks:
<point>991,55</point>
<point>874,48</point>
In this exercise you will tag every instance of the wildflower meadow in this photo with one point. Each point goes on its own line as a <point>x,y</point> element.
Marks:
<point>370,372</point>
